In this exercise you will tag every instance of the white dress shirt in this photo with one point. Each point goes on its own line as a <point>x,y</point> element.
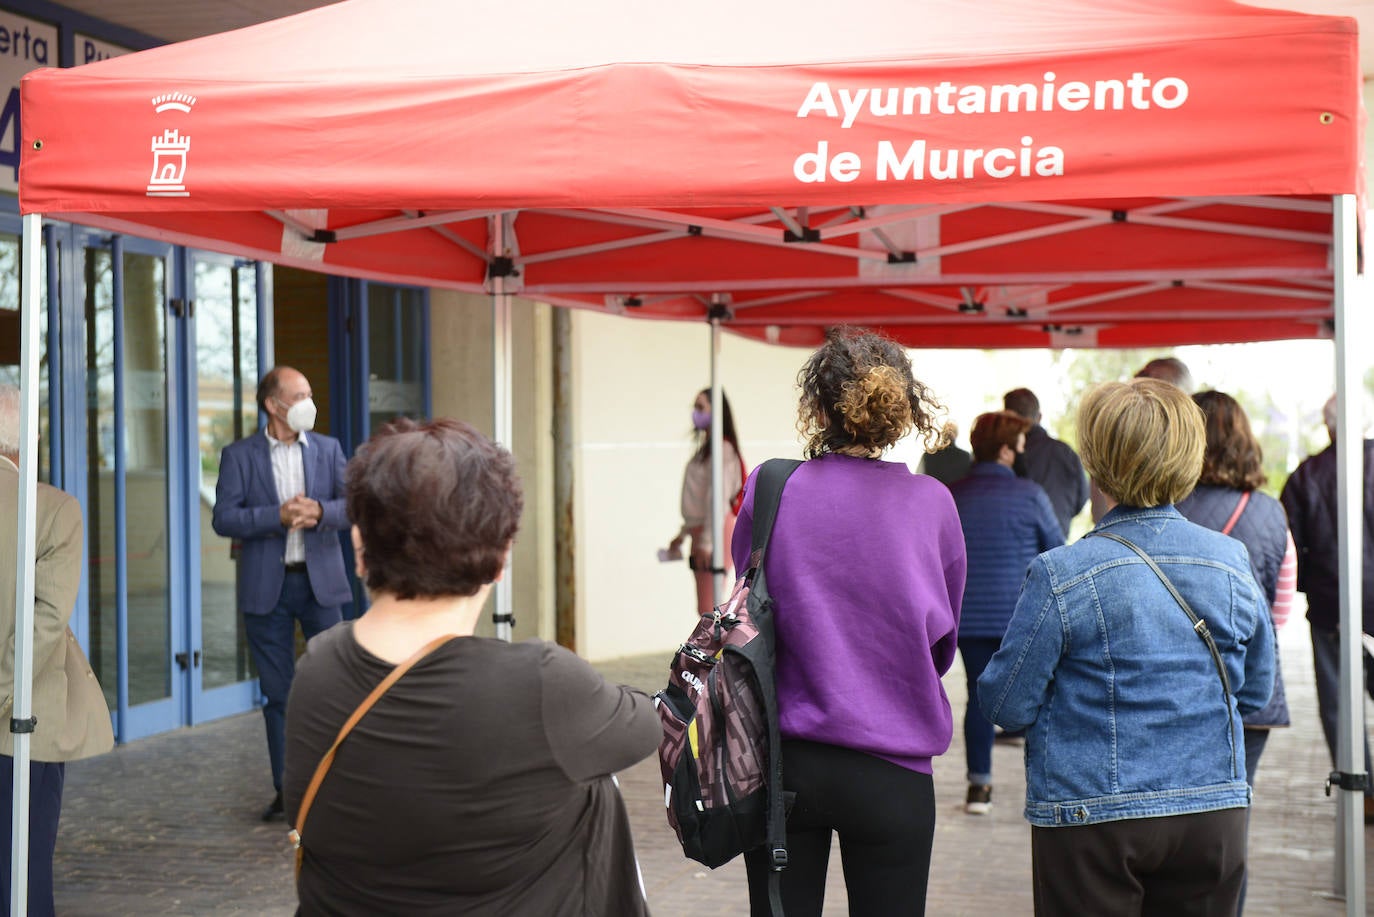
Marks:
<point>288,470</point>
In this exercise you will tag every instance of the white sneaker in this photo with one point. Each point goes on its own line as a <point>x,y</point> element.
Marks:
<point>979,799</point>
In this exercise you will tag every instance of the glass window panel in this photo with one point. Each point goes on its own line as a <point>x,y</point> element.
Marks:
<point>395,385</point>
<point>11,335</point>
<point>227,372</point>
<point>144,438</point>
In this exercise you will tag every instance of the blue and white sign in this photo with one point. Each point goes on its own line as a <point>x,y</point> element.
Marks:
<point>25,44</point>
<point>88,50</point>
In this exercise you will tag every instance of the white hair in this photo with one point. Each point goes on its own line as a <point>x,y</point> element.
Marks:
<point>9,419</point>
<point>1364,411</point>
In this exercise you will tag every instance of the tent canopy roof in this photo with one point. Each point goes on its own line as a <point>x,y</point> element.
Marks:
<point>959,172</point>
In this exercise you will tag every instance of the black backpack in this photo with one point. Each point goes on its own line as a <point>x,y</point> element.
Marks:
<point>721,753</point>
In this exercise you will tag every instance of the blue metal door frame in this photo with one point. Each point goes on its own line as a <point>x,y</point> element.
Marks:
<point>203,704</point>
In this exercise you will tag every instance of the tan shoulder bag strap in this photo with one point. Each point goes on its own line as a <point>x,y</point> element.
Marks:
<point>382,687</point>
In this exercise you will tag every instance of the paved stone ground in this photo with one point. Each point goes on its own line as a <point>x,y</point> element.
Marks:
<point>168,825</point>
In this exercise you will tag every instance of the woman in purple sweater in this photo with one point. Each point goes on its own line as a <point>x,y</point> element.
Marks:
<point>866,568</point>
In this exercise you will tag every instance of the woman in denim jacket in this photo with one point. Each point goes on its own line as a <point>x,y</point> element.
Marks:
<point>1135,760</point>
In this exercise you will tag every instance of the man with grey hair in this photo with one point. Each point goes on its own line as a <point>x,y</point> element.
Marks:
<point>1168,369</point>
<point>1309,497</point>
<point>71,719</point>
<point>281,494</point>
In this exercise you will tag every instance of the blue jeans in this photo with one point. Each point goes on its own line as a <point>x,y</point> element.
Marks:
<point>272,641</point>
<point>45,805</point>
<point>978,729</point>
<point>1326,661</point>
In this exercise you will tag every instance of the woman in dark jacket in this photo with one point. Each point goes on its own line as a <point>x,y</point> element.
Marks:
<point>1227,499</point>
<point>1007,521</point>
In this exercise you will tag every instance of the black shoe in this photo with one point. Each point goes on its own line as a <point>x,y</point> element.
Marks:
<point>275,810</point>
<point>979,799</point>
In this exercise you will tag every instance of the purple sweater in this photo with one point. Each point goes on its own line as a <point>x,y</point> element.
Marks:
<point>866,567</point>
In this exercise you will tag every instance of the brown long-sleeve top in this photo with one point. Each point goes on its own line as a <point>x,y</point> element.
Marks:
<point>479,784</point>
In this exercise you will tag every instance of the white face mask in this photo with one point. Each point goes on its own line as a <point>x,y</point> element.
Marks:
<point>301,415</point>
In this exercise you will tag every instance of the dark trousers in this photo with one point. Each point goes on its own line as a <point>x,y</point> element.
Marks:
<point>885,817</point>
<point>1172,866</point>
<point>978,729</point>
<point>272,641</point>
<point>45,806</point>
<point>1326,665</point>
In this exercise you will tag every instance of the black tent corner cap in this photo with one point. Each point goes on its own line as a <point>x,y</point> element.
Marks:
<point>632,302</point>
<point>324,236</point>
<point>693,230</point>
<point>1013,312</point>
<point>901,257</point>
<point>501,266</point>
<point>808,234</point>
<point>1118,216</point>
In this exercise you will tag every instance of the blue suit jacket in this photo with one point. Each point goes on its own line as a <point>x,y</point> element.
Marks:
<point>247,508</point>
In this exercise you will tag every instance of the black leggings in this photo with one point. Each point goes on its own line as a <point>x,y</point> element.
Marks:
<point>885,816</point>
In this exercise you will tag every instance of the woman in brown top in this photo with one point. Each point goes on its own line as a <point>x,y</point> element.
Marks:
<point>480,783</point>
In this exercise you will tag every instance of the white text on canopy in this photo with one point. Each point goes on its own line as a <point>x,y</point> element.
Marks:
<point>915,160</point>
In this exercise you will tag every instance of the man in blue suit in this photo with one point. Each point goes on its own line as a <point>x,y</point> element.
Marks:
<point>281,494</point>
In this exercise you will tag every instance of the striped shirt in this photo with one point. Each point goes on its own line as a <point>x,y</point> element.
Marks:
<point>1287,585</point>
<point>288,470</point>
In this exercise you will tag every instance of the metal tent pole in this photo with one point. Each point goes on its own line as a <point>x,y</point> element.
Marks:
<point>717,461</point>
<point>498,272</point>
<point>21,722</point>
<point>1349,779</point>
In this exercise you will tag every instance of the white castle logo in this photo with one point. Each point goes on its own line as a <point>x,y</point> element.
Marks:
<point>170,149</point>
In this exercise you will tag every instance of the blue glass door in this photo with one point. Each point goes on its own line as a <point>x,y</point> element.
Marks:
<point>135,580</point>
<point>225,361</point>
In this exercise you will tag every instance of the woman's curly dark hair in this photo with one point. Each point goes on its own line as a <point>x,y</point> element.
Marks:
<point>1233,457</point>
<point>437,505</point>
<point>858,394</point>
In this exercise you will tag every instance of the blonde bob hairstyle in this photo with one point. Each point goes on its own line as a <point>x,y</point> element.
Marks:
<point>1142,441</point>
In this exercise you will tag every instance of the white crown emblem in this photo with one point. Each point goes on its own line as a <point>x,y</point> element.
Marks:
<point>173,101</point>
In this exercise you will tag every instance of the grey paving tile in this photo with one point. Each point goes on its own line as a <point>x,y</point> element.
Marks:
<point>168,825</point>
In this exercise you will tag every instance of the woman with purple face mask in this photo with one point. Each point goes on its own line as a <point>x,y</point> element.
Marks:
<point>696,496</point>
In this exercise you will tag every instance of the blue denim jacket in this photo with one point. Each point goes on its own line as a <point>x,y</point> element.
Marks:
<point>1125,709</point>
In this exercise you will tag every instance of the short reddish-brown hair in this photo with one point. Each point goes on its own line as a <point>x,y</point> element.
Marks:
<point>994,430</point>
<point>437,505</point>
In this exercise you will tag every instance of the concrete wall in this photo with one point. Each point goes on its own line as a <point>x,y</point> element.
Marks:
<point>635,381</point>
<point>461,373</point>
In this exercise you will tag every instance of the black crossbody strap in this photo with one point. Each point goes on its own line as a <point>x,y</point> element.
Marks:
<point>1199,625</point>
<point>768,484</point>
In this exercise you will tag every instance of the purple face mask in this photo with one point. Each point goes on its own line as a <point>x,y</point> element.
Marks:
<point>701,420</point>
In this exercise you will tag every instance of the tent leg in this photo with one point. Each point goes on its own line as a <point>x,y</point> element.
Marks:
<point>1350,777</point>
<point>502,421</point>
<point>30,274</point>
<point>717,467</point>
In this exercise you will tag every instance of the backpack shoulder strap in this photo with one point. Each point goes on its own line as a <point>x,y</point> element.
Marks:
<point>768,485</point>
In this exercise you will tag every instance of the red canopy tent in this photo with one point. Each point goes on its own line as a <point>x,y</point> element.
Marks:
<point>957,172</point>
<point>962,173</point>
